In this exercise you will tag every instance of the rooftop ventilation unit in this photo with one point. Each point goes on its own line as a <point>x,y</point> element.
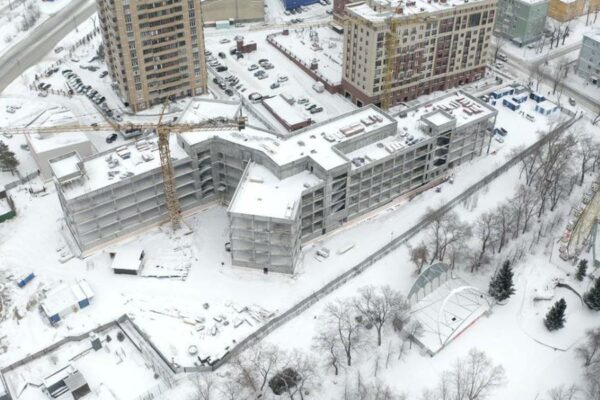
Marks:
<point>352,130</point>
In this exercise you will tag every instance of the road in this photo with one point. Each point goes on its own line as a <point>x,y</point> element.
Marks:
<point>42,39</point>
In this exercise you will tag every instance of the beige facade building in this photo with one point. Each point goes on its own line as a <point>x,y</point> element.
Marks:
<point>440,44</point>
<point>154,49</point>
<point>237,10</point>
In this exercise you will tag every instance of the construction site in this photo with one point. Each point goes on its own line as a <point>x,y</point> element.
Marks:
<point>280,191</point>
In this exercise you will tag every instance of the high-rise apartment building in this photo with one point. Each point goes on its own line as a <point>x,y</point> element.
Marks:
<point>154,49</point>
<point>439,44</point>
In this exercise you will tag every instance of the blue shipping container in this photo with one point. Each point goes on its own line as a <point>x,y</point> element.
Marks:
<point>25,279</point>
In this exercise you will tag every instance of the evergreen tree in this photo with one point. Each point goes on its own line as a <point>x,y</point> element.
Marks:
<point>501,285</point>
<point>8,160</point>
<point>581,269</point>
<point>592,297</point>
<point>555,319</point>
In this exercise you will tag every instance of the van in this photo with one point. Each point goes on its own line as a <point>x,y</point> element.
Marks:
<point>318,87</point>
<point>502,57</point>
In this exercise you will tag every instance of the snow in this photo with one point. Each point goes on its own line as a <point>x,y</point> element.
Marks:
<point>326,48</point>
<point>380,10</point>
<point>201,110</point>
<point>66,167</point>
<point>316,141</point>
<point>103,370</point>
<point>128,258</point>
<point>65,297</point>
<point>98,169</point>
<point>41,143</point>
<point>298,85</point>
<point>4,207</point>
<point>261,193</point>
<point>285,111</point>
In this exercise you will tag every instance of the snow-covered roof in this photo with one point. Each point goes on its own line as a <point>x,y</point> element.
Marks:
<point>546,105</point>
<point>285,111</point>
<point>316,141</point>
<point>65,297</point>
<point>66,167</point>
<point>263,194</point>
<point>104,169</point>
<point>204,109</point>
<point>128,257</point>
<point>41,143</point>
<point>380,10</point>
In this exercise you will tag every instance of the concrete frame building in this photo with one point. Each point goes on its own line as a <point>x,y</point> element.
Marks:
<point>441,44</point>
<point>281,191</point>
<point>588,64</point>
<point>521,21</point>
<point>154,49</point>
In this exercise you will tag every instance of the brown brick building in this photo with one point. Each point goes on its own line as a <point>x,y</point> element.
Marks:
<point>154,49</point>
<point>441,44</point>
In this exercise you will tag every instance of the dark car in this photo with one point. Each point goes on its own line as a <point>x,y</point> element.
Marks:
<point>221,68</point>
<point>111,138</point>
<point>103,74</point>
<point>222,55</point>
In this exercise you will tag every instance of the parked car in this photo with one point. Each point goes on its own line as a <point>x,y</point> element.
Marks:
<point>499,139</point>
<point>572,101</point>
<point>103,74</point>
<point>255,97</point>
<point>222,55</point>
<point>221,68</point>
<point>282,78</point>
<point>229,92</point>
<point>111,138</point>
<point>275,85</point>
<point>316,110</point>
<point>253,67</point>
<point>224,40</point>
<point>58,49</point>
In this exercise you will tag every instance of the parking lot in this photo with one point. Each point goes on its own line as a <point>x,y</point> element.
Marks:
<point>267,72</point>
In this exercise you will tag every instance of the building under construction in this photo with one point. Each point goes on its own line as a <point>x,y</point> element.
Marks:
<point>397,50</point>
<point>280,191</point>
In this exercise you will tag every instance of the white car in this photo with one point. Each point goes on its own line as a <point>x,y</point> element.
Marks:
<point>499,139</point>
<point>499,65</point>
<point>224,40</point>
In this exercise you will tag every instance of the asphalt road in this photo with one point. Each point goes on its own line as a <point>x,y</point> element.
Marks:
<point>42,39</point>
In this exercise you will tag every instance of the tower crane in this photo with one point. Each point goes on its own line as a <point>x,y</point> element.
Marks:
<point>163,131</point>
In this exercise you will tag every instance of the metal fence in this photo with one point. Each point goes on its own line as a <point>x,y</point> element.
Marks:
<point>21,180</point>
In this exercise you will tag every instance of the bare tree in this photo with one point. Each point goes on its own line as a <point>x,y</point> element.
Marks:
<point>339,318</point>
<point>501,41</point>
<point>204,387</point>
<point>419,255</point>
<point>377,306</point>
<point>564,393</point>
<point>471,378</point>
<point>483,232</point>
<point>587,149</point>
<point>327,343</point>
<point>589,352</point>
<point>559,72</point>
<point>296,375</point>
<point>254,367</point>
<point>376,390</point>
<point>443,231</point>
<point>502,225</point>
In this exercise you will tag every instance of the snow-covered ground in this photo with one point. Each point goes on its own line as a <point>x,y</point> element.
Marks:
<point>323,45</point>
<point>298,83</point>
<point>540,50</point>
